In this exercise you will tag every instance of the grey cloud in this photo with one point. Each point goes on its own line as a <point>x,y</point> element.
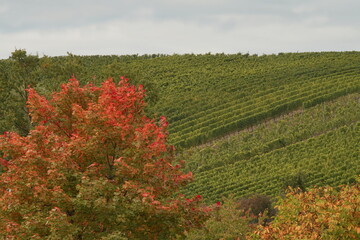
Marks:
<point>167,26</point>
<point>43,14</point>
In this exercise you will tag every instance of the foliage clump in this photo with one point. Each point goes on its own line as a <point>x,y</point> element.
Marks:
<point>227,221</point>
<point>320,213</point>
<point>259,206</point>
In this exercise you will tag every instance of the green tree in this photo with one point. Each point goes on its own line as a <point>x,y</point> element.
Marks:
<point>21,71</point>
<point>227,221</point>
<point>16,75</point>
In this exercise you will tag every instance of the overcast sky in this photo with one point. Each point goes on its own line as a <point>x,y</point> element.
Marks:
<point>88,27</point>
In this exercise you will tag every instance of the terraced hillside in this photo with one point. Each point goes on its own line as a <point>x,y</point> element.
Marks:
<point>254,94</point>
<point>206,97</point>
<point>314,146</point>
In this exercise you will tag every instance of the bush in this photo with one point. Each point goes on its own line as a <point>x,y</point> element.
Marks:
<point>258,205</point>
<point>320,213</point>
<point>227,221</point>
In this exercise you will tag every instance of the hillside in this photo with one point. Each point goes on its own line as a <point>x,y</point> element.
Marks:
<point>314,146</point>
<point>207,97</point>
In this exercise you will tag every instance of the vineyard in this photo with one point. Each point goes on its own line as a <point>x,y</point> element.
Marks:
<point>207,96</point>
<point>242,123</point>
<point>313,146</point>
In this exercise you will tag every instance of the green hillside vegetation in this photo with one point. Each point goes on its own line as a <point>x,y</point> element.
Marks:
<point>206,97</point>
<point>313,146</point>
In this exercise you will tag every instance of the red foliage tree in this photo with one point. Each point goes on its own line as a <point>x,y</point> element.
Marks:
<point>94,167</point>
